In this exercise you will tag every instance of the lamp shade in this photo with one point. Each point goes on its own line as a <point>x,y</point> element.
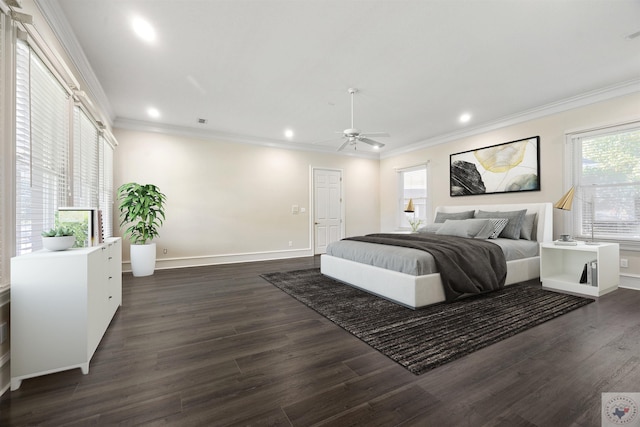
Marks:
<point>409,207</point>
<point>566,201</point>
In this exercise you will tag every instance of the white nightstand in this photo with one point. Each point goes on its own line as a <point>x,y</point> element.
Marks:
<point>561,267</point>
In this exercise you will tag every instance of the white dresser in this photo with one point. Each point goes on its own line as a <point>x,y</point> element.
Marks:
<point>61,305</point>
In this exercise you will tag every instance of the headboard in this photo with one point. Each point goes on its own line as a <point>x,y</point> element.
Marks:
<point>544,217</point>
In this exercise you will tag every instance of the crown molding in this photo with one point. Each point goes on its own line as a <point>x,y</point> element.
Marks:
<point>56,19</point>
<point>587,98</point>
<point>144,126</point>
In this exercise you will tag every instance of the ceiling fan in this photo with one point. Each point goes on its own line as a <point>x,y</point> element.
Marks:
<point>352,135</point>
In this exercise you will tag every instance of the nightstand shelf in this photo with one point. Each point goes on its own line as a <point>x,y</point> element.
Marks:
<point>562,266</point>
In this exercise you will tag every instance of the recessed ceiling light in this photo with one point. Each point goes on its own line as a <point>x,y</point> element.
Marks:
<point>288,133</point>
<point>464,118</point>
<point>153,112</point>
<point>143,29</point>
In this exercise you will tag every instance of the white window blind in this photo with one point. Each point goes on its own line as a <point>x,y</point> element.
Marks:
<point>412,185</point>
<point>607,179</point>
<point>85,160</point>
<point>42,140</point>
<point>3,158</point>
<point>106,186</point>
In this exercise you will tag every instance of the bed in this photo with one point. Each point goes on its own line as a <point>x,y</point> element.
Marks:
<point>416,288</point>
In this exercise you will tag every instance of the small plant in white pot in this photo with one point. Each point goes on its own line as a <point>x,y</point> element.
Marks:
<point>142,207</point>
<point>59,238</point>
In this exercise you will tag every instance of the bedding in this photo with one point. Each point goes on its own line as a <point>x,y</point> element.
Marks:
<point>467,266</point>
<point>413,261</point>
<point>410,277</point>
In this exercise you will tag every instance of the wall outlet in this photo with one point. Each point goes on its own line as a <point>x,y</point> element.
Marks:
<point>290,243</point>
<point>164,251</point>
<point>624,263</point>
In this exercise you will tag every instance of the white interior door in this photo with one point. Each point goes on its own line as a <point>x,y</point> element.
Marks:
<point>327,192</point>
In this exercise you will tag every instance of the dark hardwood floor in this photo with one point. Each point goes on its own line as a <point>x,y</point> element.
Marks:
<point>218,345</point>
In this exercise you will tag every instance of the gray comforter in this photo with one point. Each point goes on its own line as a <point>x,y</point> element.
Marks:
<point>467,266</point>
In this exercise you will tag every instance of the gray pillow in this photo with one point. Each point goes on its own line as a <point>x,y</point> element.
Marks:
<point>463,227</point>
<point>497,225</point>
<point>526,232</point>
<point>512,230</point>
<point>430,228</point>
<point>443,216</point>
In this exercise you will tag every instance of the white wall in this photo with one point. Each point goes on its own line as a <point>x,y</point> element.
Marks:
<point>232,202</point>
<point>551,130</point>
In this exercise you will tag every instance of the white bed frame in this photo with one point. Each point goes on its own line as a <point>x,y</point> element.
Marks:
<point>418,291</point>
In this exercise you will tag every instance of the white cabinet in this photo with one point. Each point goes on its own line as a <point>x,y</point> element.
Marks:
<point>561,267</point>
<point>61,305</point>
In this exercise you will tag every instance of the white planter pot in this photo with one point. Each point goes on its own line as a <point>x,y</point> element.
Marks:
<point>60,243</point>
<point>143,259</point>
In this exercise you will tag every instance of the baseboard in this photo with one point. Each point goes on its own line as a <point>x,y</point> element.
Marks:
<point>199,261</point>
<point>630,281</point>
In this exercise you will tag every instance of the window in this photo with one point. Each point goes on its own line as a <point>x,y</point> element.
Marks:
<point>606,174</point>
<point>412,184</point>
<point>5,137</point>
<point>42,140</point>
<point>58,155</point>
<point>85,160</point>
<point>106,185</point>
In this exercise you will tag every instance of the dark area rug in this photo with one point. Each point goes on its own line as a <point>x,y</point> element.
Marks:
<point>426,338</point>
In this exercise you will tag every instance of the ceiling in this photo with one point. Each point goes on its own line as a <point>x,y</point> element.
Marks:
<point>252,69</point>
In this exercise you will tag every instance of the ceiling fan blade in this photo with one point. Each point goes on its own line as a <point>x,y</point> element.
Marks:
<point>377,134</point>
<point>371,142</point>
<point>344,145</point>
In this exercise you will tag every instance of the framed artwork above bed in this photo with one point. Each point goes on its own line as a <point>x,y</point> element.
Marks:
<point>502,168</point>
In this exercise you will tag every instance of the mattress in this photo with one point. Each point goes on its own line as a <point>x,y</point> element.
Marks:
<point>413,261</point>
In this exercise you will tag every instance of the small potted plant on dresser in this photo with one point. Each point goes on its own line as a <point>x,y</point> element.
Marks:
<point>142,208</point>
<point>59,238</point>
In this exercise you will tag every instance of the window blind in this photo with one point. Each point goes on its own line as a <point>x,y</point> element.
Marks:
<point>3,150</point>
<point>607,178</point>
<point>85,160</point>
<point>42,138</point>
<point>106,186</point>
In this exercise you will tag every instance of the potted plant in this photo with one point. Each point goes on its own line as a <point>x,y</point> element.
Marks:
<point>142,207</point>
<point>58,238</point>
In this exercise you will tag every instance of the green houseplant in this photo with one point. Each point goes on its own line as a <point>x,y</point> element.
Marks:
<point>142,209</point>
<point>58,238</point>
